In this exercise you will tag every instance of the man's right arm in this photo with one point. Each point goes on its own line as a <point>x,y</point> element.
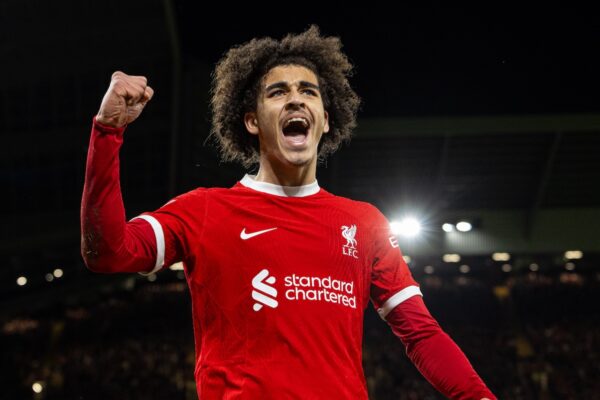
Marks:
<point>108,242</point>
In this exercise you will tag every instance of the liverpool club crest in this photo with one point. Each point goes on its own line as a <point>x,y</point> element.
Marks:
<point>349,249</point>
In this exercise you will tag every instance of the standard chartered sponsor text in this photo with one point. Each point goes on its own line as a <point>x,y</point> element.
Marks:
<point>320,289</point>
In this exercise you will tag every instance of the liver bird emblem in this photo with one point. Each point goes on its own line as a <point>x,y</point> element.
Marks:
<point>348,232</point>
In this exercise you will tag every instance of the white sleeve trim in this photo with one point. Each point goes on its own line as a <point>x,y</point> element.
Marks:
<point>398,298</point>
<point>160,242</point>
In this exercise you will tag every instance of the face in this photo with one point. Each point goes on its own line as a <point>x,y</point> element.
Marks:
<point>289,118</point>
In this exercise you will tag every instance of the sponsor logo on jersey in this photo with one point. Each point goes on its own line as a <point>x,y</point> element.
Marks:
<point>302,288</point>
<point>348,233</point>
<point>261,290</point>
<point>246,236</point>
<point>393,241</point>
<point>313,288</point>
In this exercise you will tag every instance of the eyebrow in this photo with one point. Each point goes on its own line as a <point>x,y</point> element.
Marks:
<point>283,84</point>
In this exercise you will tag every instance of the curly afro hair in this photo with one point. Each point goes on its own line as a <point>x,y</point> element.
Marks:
<point>236,85</point>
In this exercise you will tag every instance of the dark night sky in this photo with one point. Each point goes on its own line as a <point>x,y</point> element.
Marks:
<point>436,60</point>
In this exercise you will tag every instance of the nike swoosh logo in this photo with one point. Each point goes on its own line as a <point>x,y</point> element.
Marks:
<point>246,236</point>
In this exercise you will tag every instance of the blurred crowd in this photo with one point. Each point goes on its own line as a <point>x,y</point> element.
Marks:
<point>530,338</point>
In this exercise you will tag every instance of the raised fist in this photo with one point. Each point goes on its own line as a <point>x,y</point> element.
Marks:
<point>124,100</point>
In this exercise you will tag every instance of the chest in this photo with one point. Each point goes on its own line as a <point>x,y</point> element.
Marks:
<point>318,250</point>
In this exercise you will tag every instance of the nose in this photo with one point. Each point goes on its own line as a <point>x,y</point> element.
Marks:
<point>294,100</point>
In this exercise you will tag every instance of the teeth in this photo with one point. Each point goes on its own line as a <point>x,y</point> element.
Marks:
<point>297,119</point>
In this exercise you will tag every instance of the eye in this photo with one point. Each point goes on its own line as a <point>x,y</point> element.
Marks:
<point>276,92</point>
<point>311,92</point>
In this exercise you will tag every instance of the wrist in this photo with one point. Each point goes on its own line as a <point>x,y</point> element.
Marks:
<point>106,127</point>
<point>109,122</point>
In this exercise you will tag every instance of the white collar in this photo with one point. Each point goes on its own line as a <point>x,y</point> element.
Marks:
<point>278,190</point>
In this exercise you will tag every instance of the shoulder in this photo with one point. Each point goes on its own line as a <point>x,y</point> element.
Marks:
<point>363,210</point>
<point>185,200</point>
<point>200,193</point>
<point>203,195</point>
<point>191,195</point>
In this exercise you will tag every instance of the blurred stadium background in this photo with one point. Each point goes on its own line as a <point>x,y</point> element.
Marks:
<point>488,117</point>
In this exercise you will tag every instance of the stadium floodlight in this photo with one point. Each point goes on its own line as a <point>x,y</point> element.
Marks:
<point>178,266</point>
<point>464,268</point>
<point>21,281</point>
<point>408,227</point>
<point>534,267</point>
<point>407,259</point>
<point>570,266</point>
<point>429,269</point>
<point>448,227</point>
<point>464,226</point>
<point>573,254</point>
<point>58,273</point>
<point>451,258</point>
<point>506,267</point>
<point>49,277</point>
<point>500,256</point>
<point>37,387</point>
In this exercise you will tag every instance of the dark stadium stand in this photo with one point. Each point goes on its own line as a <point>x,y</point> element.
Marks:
<point>532,336</point>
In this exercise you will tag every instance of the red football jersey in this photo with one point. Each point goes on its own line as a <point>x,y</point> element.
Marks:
<point>279,279</point>
<point>270,305</point>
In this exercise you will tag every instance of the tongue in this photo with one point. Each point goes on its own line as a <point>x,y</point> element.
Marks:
<point>295,137</point>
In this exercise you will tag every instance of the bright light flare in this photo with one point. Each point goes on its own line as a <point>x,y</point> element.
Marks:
<point>37,387</point>
<point>177,266</point>
<point>464,226</point>
<point>408,227</point>
<point>573,255</point>
<point>451,258</point>
<point>448,227</point>
<point>500,256</point>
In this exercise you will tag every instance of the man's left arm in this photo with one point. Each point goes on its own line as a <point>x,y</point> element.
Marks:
<point>434,353</point>
<point>397,297</point>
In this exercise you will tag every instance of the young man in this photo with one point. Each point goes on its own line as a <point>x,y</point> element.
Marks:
<point>280,271</point>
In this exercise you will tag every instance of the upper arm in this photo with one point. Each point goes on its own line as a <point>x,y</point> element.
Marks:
<point>172,225</point>
<point>391,280</point>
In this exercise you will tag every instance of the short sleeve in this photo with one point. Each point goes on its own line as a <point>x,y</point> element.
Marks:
<point>173,224</point>
<point>391,280</point>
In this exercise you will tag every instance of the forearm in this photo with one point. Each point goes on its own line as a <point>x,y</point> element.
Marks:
<point>434,353</point>
<point>108,243</point>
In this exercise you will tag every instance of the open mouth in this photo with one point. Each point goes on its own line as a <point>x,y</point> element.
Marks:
<point>295,130</point>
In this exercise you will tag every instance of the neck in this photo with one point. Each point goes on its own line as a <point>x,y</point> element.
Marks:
<point>287,175</point>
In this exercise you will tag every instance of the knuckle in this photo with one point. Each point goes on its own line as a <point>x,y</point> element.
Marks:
<point>118,84</point>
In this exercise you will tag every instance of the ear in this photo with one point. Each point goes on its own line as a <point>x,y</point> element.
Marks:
<point>326,127</point>
<point>251,123</point>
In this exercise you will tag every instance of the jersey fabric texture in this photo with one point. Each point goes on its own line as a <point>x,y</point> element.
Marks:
<point>279,280</point>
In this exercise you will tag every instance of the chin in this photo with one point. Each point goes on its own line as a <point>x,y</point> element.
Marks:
<point>297,158</point>
<point>298,161</point>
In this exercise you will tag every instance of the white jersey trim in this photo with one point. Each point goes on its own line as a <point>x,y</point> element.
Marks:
<point>160,242</point>
<point>278,190</point>
<point>398,298</point>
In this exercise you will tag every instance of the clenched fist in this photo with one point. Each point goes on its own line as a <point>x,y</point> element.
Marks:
<point>125,99</point>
